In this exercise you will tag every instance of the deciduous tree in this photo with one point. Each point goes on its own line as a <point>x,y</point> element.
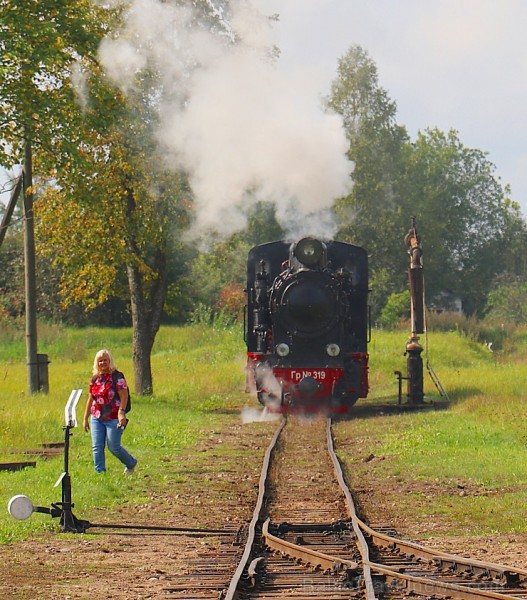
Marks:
<point>371,214</point>
<point>39,44</point>
<point>467,222</point>
<point>108,214</point>
<point>462,213</point>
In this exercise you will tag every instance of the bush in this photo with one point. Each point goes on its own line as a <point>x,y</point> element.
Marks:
<point>484,332</point>
<point>231,301</point>
<point>508,303</point>
<point>396,309</point>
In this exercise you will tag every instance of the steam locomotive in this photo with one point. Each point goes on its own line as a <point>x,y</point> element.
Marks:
<point>307,325</point>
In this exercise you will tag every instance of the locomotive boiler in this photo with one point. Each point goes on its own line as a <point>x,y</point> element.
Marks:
<point>307,325</point>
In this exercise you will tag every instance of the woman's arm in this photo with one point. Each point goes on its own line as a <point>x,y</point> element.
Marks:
<point>123,397</point>
<point>85,421</point>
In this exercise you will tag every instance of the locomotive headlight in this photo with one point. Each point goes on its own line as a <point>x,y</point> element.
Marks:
<point>282,349</point>
<point>333,349</point>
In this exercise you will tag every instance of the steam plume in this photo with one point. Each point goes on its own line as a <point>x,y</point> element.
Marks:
<point>242,128</point>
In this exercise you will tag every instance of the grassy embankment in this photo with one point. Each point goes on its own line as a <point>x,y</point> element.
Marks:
<point>197,372</point>
<point>479,441</point>
<point>465,468</point>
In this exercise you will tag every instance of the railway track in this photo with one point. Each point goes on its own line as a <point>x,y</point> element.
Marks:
<point>306,540</point>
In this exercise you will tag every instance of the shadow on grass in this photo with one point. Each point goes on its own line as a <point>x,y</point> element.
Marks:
<point>391,407</point>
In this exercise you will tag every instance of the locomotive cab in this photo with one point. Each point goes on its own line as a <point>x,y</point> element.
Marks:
<point>306,329</point>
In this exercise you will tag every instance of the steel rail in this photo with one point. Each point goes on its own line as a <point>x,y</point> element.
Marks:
<point>393,580</point>
<point>311,558</point>
<point>162,528</point>
<point>444,559</point>
<point>232,591</point>
<point>428,587</point>
<point>362,544</point>
<point>424,585</point>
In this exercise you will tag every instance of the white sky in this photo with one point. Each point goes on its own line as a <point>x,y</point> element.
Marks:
<point>458,64</point>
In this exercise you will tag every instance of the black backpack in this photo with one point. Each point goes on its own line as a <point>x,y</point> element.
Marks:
<point>115,376</point>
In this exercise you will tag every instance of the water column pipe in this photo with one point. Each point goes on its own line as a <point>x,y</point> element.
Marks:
<point>414,362</point>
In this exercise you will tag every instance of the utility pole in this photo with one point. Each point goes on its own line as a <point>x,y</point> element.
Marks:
<point>10,209</point>
<point>30,273</point>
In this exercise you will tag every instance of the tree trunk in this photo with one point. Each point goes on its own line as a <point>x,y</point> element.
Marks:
<point>146,319</point>
<point>147,298</point>
<point>142,338</point>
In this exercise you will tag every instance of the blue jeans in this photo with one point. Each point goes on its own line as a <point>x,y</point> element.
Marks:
<point>103,432</point>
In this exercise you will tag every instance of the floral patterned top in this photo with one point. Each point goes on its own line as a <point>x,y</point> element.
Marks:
<point>106,401</point>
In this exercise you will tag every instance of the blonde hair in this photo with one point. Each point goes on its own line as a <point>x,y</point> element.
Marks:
<point>103,352</point>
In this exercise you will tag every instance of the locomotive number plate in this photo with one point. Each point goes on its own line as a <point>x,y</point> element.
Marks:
<point>299,375</point>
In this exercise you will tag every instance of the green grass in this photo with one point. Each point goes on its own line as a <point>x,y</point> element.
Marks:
<point>197,372</point>
<point>479,444</point>
<point>473,456</point>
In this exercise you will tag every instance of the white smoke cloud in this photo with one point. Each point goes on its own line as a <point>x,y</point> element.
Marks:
<point>257,415</point>
<point>80,86</point>
<point>242,128</point>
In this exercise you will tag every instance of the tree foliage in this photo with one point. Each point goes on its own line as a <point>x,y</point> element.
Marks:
<point>12,278</point>
<point>108,214</point>
<point>508,303</point>
<point>462,210</point>
<point>111,216</point>
<point>123,223</point>
<point>40,42</point>
<point>376,147</point>
<point>220,272</point>
<point>396,309</point>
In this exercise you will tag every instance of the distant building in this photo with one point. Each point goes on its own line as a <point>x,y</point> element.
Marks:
<point>446,301</point>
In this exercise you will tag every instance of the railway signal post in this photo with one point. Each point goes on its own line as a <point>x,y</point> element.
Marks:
<point>21,507</point>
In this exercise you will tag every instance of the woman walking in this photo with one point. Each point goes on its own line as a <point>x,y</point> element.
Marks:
<point>106,404</point>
